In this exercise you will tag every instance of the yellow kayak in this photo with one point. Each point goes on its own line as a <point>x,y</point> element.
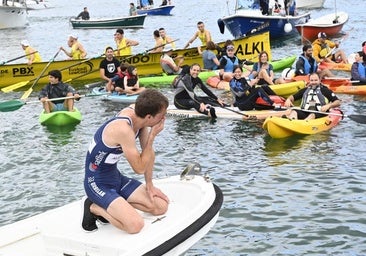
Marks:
<point>278,127</point>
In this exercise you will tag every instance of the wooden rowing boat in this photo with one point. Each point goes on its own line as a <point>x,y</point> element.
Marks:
<point>278,127</point>
<point>226,113</point>
<point>60,118</point>
<point>136,21</point>
<point>147,64</point>
<point>194,207</point>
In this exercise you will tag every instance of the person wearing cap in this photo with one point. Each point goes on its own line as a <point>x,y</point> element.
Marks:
<point>166,39</point>
<point>203,34</point>
<point>168,64</point>
<point>57,89</point>
<point>227,63</point>
<point>77,50</point>
<point>327,50</point>
<point>123,44</point>
<point>306,64</point>
<point>31,54</point>
<point>84,15</point>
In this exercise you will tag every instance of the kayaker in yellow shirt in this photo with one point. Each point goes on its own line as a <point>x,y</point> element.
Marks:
<point>327,50</point>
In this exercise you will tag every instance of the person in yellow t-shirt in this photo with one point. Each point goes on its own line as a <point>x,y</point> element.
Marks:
<point>123,44</point>
<point>77,50</point>
<point>31,54</point>
<point>166,39</point>
<point>203,34</point>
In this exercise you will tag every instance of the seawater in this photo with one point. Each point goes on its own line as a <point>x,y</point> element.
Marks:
<point>303,195</point>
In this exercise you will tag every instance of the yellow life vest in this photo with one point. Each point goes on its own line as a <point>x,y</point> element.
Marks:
<point>202,37</point>
<point>75,52</point>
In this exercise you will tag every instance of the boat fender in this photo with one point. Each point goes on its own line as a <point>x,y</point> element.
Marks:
<point>288,27</point>
<point>221,25</point>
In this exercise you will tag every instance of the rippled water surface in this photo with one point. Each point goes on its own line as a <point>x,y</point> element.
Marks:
<point>296,196</point>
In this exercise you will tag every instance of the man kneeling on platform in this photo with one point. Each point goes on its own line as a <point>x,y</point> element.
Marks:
<point>57,89</point>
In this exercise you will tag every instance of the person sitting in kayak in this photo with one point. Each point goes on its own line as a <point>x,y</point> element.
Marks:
<point>185,98</point>
<point>358,70</point>
<point>327,50</point>
<point>315,97</point>
<point>306,64</point>
<point>245,95</point>
<point>262,71</point>
<point>131,81</point>
<point>116,83</point>
<point>57,89</point>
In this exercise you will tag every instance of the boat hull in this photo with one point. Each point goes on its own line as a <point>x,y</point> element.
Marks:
<point>243,22</point>
<point>136,21</point>
<point>310,30</point>
<point>309,4</point>
<point>13,17</point>
<point>60,118</point>
<point>161,10</point>
<point>193,210</point>
<point>147,64</point>
<point>279,128</point>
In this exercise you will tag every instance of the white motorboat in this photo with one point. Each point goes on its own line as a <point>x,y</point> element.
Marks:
<point>13,14</point>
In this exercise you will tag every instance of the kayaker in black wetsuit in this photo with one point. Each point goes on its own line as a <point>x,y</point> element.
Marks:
<point>185,98</point>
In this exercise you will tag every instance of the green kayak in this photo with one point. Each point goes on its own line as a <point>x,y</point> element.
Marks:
<point>60,118</point>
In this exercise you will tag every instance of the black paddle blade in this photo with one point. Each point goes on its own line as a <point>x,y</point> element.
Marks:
<point>358,118</point>
<point>11,105</point>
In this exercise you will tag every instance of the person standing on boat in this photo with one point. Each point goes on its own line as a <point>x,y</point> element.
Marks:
<point>315,97</point>
<point>132,10</point>
<point>358,69</point>
<point>123,44</point>
<point>166,39</point>
<point>185,98</point>
<point>108,68</point>
<point>77,49</point>
<point>111,196</point>
<point>84,15</point>
<point>306,64</point>
<point>245,95</point>
<point>57,89</point>
<point>203,34</point>
<point>327,50</point>
<point>32,54</point>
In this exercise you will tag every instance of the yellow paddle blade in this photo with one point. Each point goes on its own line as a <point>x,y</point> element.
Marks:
<point>14,86</point>
<point>26,94</point>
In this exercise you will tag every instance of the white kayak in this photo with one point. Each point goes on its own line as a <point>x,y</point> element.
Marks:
<point>194,208</point>
<point>227,112</point>
<point>115,97</point>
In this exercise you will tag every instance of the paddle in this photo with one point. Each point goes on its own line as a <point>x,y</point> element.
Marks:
<point>25,55</point>
<point>357,118</point>
<point>29,91</point>
<point>13,105</point>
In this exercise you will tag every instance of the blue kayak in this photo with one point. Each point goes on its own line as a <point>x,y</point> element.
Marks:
<point>115,97</point>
